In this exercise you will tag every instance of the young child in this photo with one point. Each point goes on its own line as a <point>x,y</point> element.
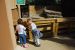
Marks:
<point>22,33</point>
<point>36,33</point>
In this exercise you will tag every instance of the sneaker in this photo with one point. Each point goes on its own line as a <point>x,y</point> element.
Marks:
<point>38,45</point>
<point>26,45</point>
<point>21,45</point>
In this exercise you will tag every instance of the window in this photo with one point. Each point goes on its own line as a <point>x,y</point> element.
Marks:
<point>24,11</point>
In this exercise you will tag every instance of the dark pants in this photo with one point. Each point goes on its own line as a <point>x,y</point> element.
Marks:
<point>22,38</point>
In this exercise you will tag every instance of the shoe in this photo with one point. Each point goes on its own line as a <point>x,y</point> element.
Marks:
<point>38,45</point>
<point>26,46</point>
<point>23,46</point>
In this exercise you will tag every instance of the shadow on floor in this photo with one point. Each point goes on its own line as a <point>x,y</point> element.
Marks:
<point>30,42</point>
<point>70,34</point>
<point>63,40</point>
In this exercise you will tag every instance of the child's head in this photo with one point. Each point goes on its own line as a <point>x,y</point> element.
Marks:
<point>20,21</point>
<point>29,20</point>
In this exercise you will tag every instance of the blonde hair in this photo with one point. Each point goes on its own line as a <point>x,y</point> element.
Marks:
<point>29,19</point>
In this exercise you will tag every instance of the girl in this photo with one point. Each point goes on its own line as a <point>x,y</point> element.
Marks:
<point>36,33</point>
<point>22,33</point>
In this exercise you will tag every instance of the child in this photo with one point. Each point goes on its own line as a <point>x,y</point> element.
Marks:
<point>36,33</point>
<point>22,33</point>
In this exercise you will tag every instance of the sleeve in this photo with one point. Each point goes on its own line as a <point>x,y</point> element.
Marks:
<point>24,28</point>
<point>17,28</point>
<point>34,26</point>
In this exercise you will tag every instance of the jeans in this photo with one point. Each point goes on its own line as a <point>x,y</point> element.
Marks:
<point>22,38</point>
<point>36,40</point>
<point>36,36</point>
<point>37,33</point>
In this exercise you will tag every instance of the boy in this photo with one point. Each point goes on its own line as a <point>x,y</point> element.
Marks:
<point>36,33</point>
<point>22,33</point>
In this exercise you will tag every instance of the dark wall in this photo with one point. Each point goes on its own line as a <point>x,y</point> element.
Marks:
<point>45,2</point>
<point>68,8</point>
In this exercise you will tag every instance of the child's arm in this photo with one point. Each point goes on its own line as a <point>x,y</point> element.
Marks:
<point>25,31</point>
<point>33,26</point>
<point>16,28</point>
<point>24,28</point>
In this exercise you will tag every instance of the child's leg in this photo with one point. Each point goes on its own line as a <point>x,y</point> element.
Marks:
<point>21,41</point>
<point>24,39</point>
<point>37,40</point>
<point>36,37</point>
<point>24,42</point>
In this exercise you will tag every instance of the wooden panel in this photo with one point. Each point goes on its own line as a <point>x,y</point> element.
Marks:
<point>32,11</point>
<point>15,15</point>
<point>13,4</point>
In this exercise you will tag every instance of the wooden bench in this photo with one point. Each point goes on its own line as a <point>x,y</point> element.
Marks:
<point>45,22</point>
<point>42,22</point>
<point>67,26</point>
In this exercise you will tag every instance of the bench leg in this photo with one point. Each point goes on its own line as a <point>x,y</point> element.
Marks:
<point>57,26</point>
<point>30,36</point>
<point>55,29</point>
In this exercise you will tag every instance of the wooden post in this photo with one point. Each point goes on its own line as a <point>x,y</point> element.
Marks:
<point>32,11</point>
<point>19,11</point>
<point>55,28</point>
<point>30,36</point>
<point>54,33</point>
